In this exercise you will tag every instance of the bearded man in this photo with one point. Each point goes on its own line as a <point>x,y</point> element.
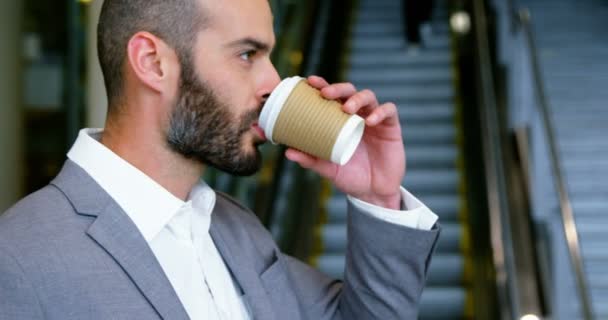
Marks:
<point>127,230</point>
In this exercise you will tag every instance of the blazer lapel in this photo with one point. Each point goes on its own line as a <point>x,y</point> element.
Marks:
<point>118,235</point>
<point>233,244</point>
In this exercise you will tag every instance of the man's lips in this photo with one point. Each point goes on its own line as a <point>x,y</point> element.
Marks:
<point>259,130</point>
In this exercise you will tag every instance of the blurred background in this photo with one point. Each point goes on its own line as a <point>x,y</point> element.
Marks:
<point>504,116</point>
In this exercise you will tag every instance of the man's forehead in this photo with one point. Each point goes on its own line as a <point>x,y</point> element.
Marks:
<point>240,18</point>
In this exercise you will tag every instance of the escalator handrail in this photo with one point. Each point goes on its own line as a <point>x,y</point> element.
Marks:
<point>494,170</point>
<point>566,211</point>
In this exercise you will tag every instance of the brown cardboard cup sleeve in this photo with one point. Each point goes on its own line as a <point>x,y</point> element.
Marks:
<point>298,116</point>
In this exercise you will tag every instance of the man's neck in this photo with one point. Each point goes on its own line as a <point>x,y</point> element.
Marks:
<point>151,155</point>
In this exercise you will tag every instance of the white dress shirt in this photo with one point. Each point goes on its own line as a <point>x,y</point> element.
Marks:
<point>178,231</point>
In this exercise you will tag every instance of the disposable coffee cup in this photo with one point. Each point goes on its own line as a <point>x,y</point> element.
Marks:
<point>298,116</point>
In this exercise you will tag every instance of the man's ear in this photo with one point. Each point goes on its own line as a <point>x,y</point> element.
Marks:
<point>151,60</point>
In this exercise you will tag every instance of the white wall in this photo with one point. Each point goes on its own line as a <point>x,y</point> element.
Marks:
<point>11,121</point>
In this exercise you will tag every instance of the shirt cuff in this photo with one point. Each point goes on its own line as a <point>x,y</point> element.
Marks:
<point>416,215</point>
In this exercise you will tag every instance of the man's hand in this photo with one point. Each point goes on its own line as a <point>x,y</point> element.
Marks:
<point>375,171</point>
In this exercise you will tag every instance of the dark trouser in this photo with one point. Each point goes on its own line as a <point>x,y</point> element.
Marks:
<point>415,12</point>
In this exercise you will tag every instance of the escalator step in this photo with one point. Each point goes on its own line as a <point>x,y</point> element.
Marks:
<point>436,180</point>
<point>394,92</point>
<point>378,46</point>
<point>446,270</point>
<point>388,41</point>
<point>421,156</point>
<point>414,113</point>
<point>442,303</point>
<point>393,18</point>
<point>446,206</point>
<point>401,75</point>
<point>420,134</point>
<point>383,28</point>
<point>369,71</point>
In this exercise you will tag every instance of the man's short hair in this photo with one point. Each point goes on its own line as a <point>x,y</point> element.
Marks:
<point>174,21</point>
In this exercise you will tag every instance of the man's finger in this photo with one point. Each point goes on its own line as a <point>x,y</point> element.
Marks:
<point>385,113</point>
<point>322,167</point>
<point>339,91</point>
<point>317,82</point>
<point>365,111</point>
<point>365,98</point>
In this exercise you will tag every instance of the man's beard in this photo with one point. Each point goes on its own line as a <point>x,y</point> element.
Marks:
<point>201,127</point>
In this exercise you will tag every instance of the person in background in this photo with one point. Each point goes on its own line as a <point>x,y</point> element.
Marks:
<point>128,230</point>
<point>415,14</point>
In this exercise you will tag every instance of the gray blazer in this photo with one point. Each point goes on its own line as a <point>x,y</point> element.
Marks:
<point>69,251</point>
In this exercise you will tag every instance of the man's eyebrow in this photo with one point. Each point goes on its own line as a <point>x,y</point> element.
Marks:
<point>251,42</point>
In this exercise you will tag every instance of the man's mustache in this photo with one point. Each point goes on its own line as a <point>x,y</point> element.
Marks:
<point>250,118</point>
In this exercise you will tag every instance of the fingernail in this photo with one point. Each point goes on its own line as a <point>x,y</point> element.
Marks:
<point>373,118</point>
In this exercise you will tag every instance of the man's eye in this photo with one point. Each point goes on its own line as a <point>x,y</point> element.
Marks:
<point>246,56</point>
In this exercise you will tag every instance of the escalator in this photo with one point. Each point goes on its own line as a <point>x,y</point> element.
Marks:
<point>572,47</point>
<point>459,98</point>
<point>421,85</point>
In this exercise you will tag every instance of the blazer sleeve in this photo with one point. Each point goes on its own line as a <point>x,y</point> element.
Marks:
<point>18,298</point>
<point>385,272</point>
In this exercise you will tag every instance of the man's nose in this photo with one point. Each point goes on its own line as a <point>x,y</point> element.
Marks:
<point>270,81</point>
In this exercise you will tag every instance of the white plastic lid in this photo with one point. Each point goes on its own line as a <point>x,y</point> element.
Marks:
<point>274,105</point>
<point>348,140</point>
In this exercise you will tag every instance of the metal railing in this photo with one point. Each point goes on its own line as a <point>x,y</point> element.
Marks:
<point>567,215</point>
<point>493,163</point>
<point>516,257</point>
<point>529,99</point>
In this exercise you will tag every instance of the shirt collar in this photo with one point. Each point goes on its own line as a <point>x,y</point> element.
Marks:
<point>147,203</point>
